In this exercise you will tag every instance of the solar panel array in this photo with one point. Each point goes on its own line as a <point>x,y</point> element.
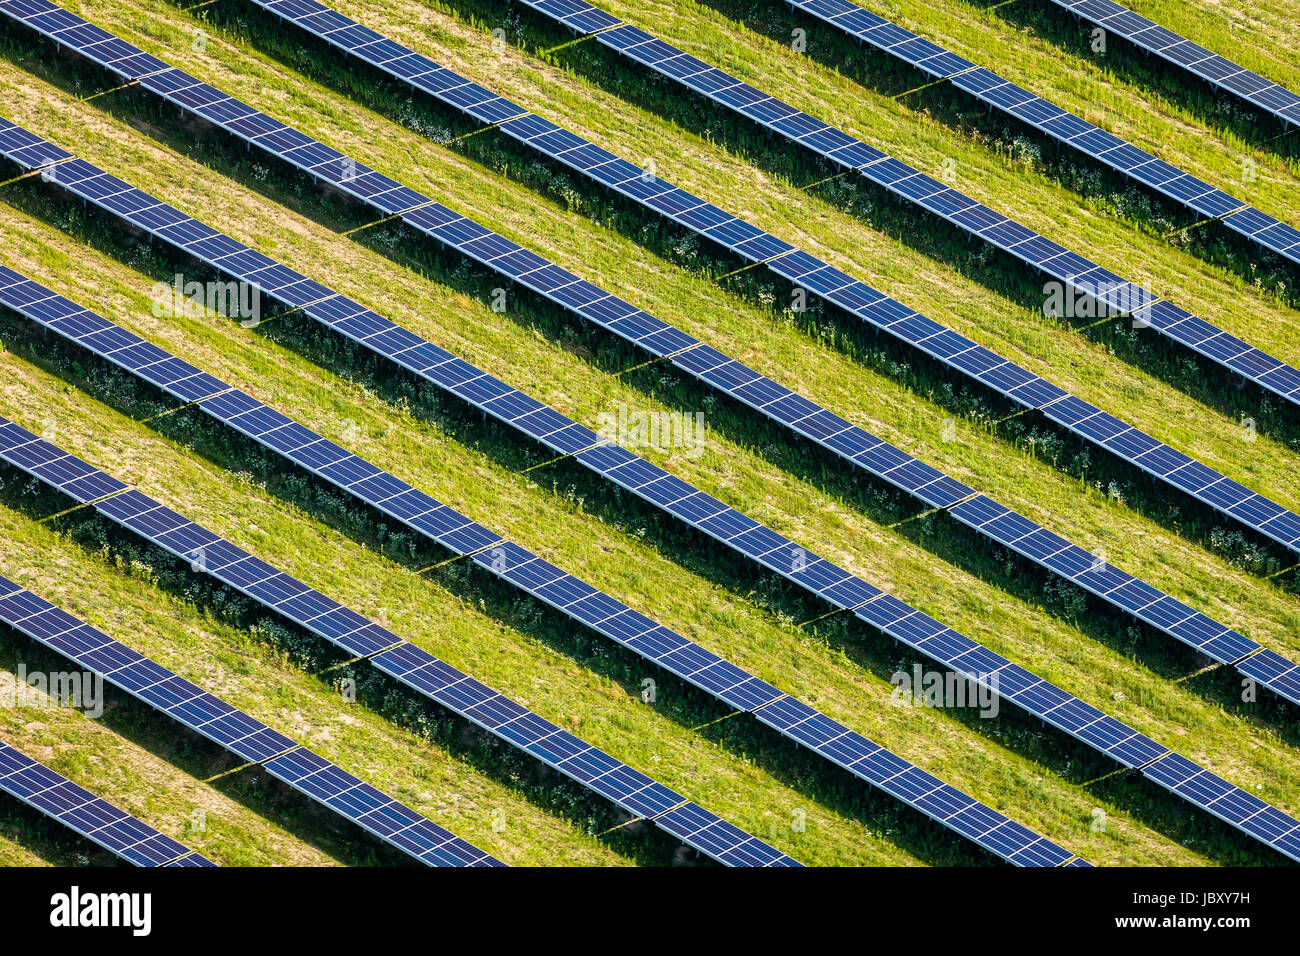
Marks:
<point>1192,57</point>
<point>1116,293</point>
<point>1061,125</point>
<point>88,815</point>
<point>795,413</point>
<point>700,511</point>
<point>718,370</point>
<point>629,789</point>
<point>532,575</point>
<point>431,677</point>
<point>238,732</point>
<point>385,194</point>
<point>687,353</point>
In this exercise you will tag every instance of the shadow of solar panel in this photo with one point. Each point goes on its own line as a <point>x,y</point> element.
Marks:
<point>460,693</point>
<point>992,90</point>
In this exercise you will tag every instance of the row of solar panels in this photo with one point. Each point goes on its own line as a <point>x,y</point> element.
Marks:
<point>243,735</point>
<point>1046,117</point>
<point>700,511</point>
<point>534,576</point>
<point>1192,57</point>
<point>87,815</point>
<point>1074,271</point>
<point>853,444</point>
<point>1087,421</point>
<point>630,790</point>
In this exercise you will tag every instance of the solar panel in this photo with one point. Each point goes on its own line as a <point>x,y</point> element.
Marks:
<point>1273,671</point>
<point>271,588</point>
<point>770,550</point>
<point>1216,70</point>
<point>1064,127</point>
<point>531,574</point>
<point>1234,806</point>
<point>243,735</point>
<point>1072,270</point>
<point>88,815</point>
<point>660,339</point>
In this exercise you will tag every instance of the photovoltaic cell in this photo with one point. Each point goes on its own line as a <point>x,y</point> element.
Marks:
<point>746,386</point>
<point>931,487</point>
<point>431,677</point>
<point>1225,801</point>
<point>617,467</point>
<point>1065,127</point>
<point>978,220</point>
<point>771,399</point>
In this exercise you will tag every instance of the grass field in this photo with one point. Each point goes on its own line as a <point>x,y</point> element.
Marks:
<point>1035,775</point>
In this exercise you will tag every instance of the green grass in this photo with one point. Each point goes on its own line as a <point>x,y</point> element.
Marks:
<point>731,768</point>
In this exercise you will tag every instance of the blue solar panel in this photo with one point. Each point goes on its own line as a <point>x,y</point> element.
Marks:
<point>723,680</point>
<point>413,666</point>
<point>1109,583</point>
<point>374,811</point>
<point>88,815</point>
<point>1273,671</point>
<point>1260,92</point>
<point>1225,801</point>
<point>240,733</point>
